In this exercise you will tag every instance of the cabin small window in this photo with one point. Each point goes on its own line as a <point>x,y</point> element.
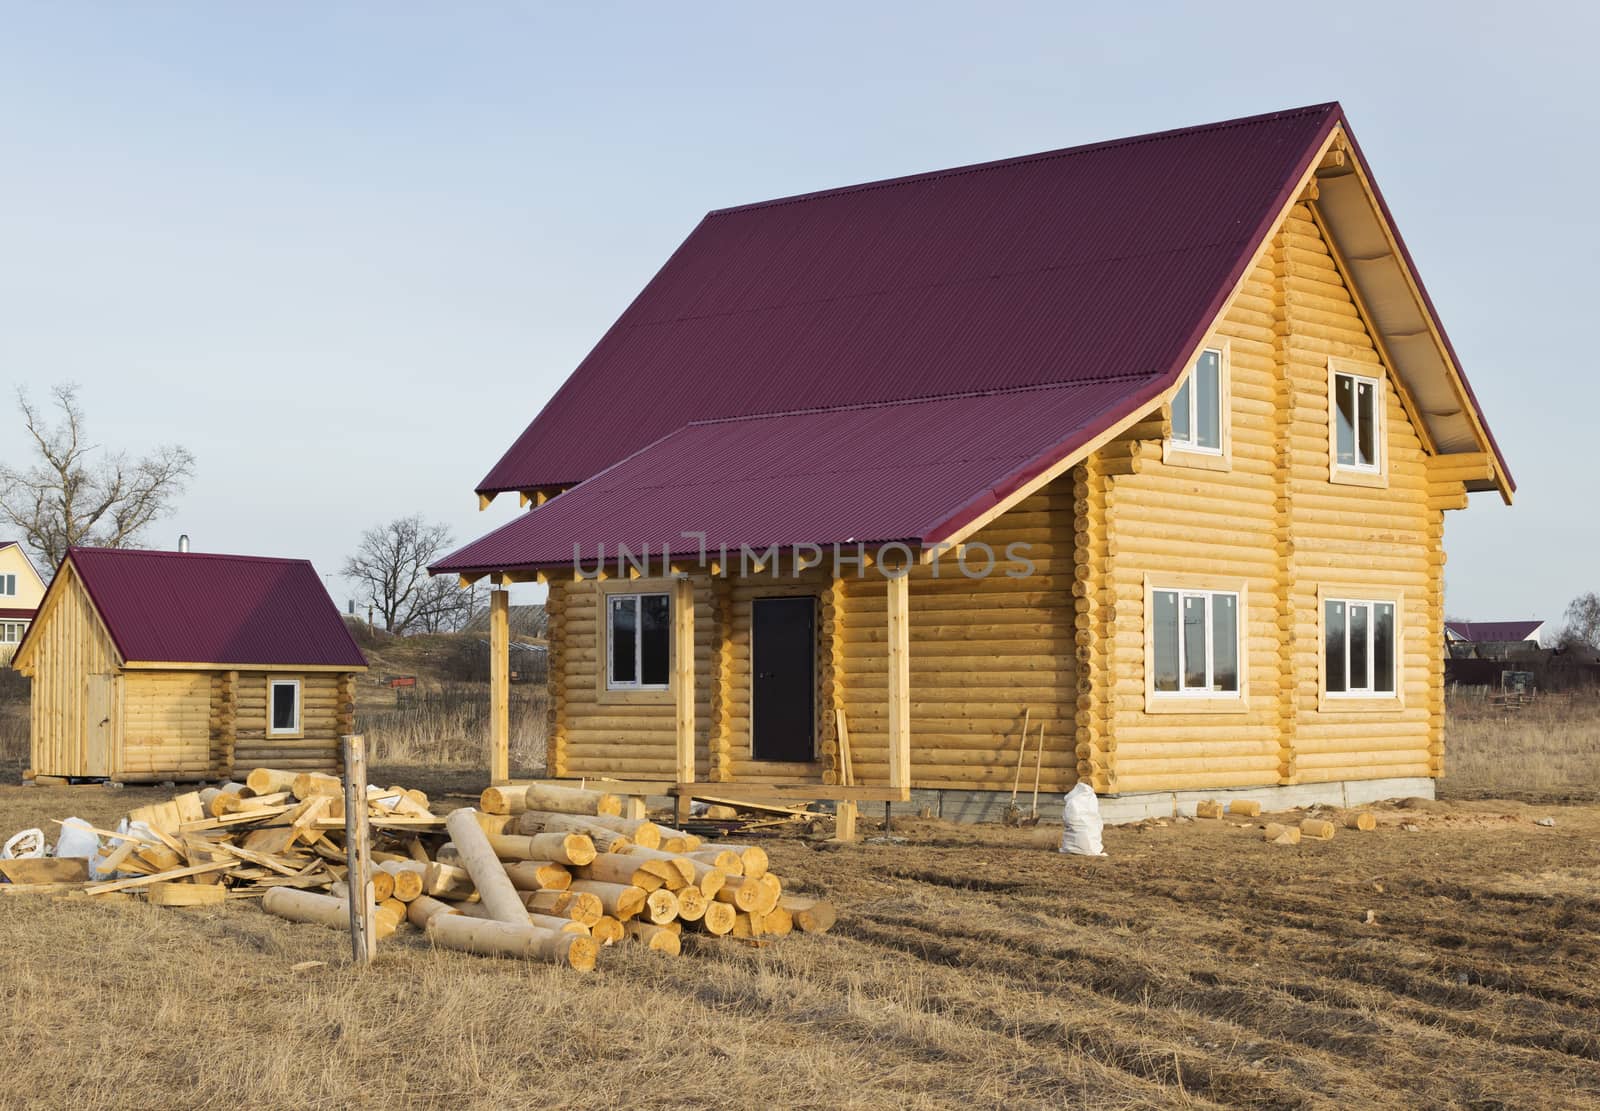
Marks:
<point>1195,642</point>
<point>284,706</point>
<point>1197,406</point>
<point>638,639</point>
<point>1357,423</point>
<point>8,585</point>
<point>1359,647</point>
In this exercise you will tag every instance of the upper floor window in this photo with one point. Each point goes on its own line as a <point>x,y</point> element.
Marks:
<point>1194,642</point>
<point>1197,423</point>
<point>1357,422</point>
<point>1359,647</point>
<point>638,639</point>
<point>8,585</point>
<point>11,631</point>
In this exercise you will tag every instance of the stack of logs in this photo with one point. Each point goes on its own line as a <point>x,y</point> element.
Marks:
<point>553,873</point>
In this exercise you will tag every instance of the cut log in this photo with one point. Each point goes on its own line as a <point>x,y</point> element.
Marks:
<point>1244,808</point>
<point>751,895</point>
<point>607,930</point>
<point>559,924</point>
<point>488,875</point>
<point>1363,820</point>
<point>746,925</point>
<point>604,829</point>
<point>726,860</point>
<point>311,784</point>
<point>752,857</point>
<point>692,903</point>
<point>507,939</point>
<point>777,922</point>
<point>186,894</point>
<point>580,906</point>
<point>621,901</point>
<point>716,812</point>
<point>687,870</point>
<point>657,938</point>
<point>1281,834</point>
<point>813,916</point>
<point>539,875</point>
<point>408,877</point>
<point>719,918</point>
<point>621,868</point>
<point>563,848</point>
<point>1317,828</point>
<point>395,908</point>
<point>382,887</point>
<point>661,906</point>
<point>495,823</point>
<point>1208,808</point>
<point>323,910</point>
<point>556,800</point>
<point>423,908</point>
<point>266,781</point>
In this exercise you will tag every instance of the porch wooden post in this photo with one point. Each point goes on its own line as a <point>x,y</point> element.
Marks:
<point>899,643</point>
<point>683,684</point>
<point>499,687</point>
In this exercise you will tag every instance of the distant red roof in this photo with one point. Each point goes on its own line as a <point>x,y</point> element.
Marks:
<point>192,607</point>
<point>895,357</point>
<point>14,612</point>
<point>1483,632</point>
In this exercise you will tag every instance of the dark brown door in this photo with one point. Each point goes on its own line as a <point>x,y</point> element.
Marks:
<point>783,634</point>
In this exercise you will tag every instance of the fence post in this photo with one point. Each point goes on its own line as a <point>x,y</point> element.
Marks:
<point>357,853</point>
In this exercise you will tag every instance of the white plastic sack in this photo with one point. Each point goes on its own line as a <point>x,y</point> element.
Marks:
<point>77,839</point>
<point>1080,817</point>
<point>28,843</point>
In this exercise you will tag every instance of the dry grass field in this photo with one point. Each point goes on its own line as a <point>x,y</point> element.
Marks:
<point>1195,966</point>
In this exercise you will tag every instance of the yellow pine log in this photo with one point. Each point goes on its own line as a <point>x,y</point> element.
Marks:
<point>660,906</point>
<point>677,841</point>
<point>608,930</point>
<point>553,799</point>
<point>621,869</point>
<point>423,908</point>
<point>310,906</point>
<point>538,875</point>
<point>488,874</point>
<point>559,924</point>
<point>405,878</point>
<point>692,903</point>
<point>1248,808</point>
<point>580,906</point>
<point>1318,829</point>
<point>602,830</point>
<point>621,901</point>
<point>1278,834</point>
<point>507,939</point>
<point>777,922</point>
<point>561,847</point>
<point>1361,820</point>
<point>309,784</point>
<point>812,916</point>
<point>726,861</point>
<point>747,924</point>
<point>656,938</point>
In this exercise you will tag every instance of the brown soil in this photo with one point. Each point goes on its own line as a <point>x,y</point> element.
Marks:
<point>1195,965</point>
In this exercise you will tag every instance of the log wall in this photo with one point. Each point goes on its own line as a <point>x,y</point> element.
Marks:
<point>327,711</point>
<point>166,725</point>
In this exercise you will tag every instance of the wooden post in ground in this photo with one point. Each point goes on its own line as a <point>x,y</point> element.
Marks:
<point>358,880</point>
<point>499,687</point>
<point>899,646</point>
<point>683,685</point>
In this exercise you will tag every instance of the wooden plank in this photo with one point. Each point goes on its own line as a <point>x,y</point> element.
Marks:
<point>49,869</point>
<point>499,687</point>
<point>358,877</point>
<point>172,874</point>
<point>847,771</point>
<point>167,894</point>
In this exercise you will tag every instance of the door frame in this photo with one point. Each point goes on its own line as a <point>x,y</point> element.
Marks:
<point>775,594</point>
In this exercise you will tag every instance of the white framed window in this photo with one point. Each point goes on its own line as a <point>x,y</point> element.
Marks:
<point>1360,647</point>
<point>1356,413</point>
<point>1198,414</point>
<point>8,585</point>
<point>10,632</point>
<point>1195,643</point>
<point>638,641</point>
<point>283,706</point>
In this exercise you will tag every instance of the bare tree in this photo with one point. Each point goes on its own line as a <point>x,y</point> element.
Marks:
<point>390,569</point>
<point>1583,622</point>
<point>76,494</point>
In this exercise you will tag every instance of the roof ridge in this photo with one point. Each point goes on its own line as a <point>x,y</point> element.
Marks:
<point>164,552</point>
<point>889,403</point>
<point>1039,156</point>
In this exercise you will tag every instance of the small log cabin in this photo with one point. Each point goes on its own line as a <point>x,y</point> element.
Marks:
<point>1149,443</point>
<point>151,666</point>
<point>21,588</point>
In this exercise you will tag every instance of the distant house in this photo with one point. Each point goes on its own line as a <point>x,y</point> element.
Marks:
<point>1492,632</point>
<point>175,665</point>
<point>1150,441</point>
<point>21,588</point>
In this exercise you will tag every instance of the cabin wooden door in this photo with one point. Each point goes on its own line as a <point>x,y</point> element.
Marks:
<point>97,725</point>
<point>783,694</point>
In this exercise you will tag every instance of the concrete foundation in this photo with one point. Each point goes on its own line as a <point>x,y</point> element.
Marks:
<point>990,806</point>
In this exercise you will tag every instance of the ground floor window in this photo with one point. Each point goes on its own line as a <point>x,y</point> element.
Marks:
<point>283,704</point>
<point>1195,647</point>
<point>639,641</point>
<point>1359,639</point>
<point>11,631</point>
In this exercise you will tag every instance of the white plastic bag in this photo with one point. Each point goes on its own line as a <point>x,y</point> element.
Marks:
<point>1080,817</point>
<point>77,839</point>
<point>26,844</point>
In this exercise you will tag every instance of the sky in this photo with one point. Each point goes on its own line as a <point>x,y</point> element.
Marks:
<point>345,252</point>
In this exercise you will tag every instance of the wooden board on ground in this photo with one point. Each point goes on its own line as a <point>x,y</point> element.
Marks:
<point>48,869</point>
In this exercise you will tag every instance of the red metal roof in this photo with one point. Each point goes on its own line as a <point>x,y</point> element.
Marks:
<point>1087,264</point>
<point>908,470</point>
<point>193,607</point>
<point>14,612</point>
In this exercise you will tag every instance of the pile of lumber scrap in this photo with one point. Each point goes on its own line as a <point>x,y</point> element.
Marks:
<point>553,875</point>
